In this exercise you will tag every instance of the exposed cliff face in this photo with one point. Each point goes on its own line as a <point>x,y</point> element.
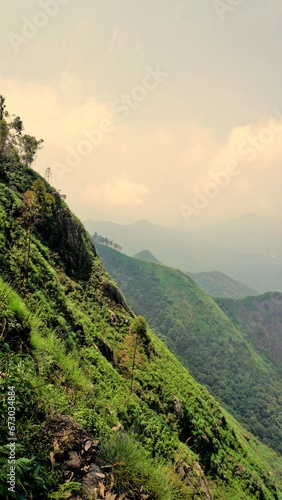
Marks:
<point>69,239</point>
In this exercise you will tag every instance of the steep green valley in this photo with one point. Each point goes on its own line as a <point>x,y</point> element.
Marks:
<point>102,409</point>
<point>260,321</point>
<point>204,339</point>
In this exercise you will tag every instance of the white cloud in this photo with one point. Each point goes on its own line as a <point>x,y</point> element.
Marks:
<point>120,192</point>
<point>160,162</point>
<point>55,112</point>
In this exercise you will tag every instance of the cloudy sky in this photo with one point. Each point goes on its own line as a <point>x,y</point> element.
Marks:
<point>165,110</point>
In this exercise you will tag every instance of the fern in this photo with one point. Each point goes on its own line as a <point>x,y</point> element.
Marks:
<point>27,475</point>
<point>65,490</point>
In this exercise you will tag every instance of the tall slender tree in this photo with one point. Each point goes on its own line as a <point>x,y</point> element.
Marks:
<point>139,330</point>
<point>3,124</point>
<point>36,206</point>
<point>29,148</point>
<point>2,107</point>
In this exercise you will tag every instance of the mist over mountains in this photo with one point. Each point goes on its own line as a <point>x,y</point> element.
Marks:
<point>247,249</point>
<point>249,233</point>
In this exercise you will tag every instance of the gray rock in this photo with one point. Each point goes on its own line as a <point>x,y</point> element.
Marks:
<point>88,445</point>
<point>74,461</point>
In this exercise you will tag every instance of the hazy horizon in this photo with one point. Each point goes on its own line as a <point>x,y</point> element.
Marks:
<point>165,111</point>
<point>191,226</point>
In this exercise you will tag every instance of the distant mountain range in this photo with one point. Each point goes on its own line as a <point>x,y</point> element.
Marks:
<point>215,283</point>
<point>248,234</point>
<point>186,250</point>
<point>230,362</point>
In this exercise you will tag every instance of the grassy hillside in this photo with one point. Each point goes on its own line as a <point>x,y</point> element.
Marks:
<point>260,321</point>
<point>97,405</point>
<point>219,284</point>
<point>203,338</point>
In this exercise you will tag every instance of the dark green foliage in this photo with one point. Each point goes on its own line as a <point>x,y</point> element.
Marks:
<point>27,472</point>
<point>29,148</point>
<point>14,144</point>
<point>3,134</point>
<point>36,207</point>
<point>138,327</point>
<point>139,331</point>
<point>17,125</point>
<point>2,106</point>
<point>260,321</point>
<point>15,326</point>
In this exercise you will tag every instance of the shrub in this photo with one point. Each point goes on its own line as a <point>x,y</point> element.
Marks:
<point>135,472</point>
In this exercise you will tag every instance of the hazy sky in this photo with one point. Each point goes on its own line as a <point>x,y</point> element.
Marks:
<point>163,110</point>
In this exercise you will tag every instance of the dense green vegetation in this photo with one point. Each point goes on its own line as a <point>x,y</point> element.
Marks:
<point>219,284</point>
<point>260,321</point>
<point>67,345</point>
<point>203,338</point>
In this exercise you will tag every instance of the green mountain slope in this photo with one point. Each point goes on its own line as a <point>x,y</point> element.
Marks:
<point>219,284</point>
<point>97,405</point>
<point>204,339</point>
<point>260,321</point>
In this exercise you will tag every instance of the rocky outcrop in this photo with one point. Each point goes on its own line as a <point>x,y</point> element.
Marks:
<point>76,455</point>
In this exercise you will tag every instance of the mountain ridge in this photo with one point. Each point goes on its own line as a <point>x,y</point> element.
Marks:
<point>219,284</point>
